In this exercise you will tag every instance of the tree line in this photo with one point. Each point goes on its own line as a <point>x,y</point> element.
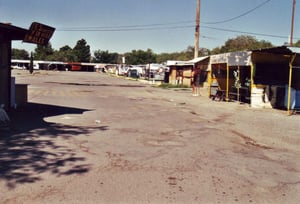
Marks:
<point>81,52</point>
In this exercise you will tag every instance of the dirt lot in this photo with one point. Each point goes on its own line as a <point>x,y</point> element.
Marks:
<point>93,138</point>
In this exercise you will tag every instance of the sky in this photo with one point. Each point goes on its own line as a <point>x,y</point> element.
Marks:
<point>164,26</point>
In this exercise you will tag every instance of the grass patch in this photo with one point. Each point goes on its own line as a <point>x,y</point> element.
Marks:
<point>170,86</point>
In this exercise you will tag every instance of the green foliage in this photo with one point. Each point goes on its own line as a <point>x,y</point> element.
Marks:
<point>297,44</point>
<point>43,52</point>
<point>185,55</point>
<point>65,48</point>
<point>65,54</point>
<point>105,57</point>
<point>216,50</point>
<point>136,57</point>
<point>168,86</point>
<point>243,42</point>
<point>20,54</point>
<point>82,51</point>
<point>179,56</point>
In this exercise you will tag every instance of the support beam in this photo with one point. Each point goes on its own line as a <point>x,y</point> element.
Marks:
<point>290,83</point>
<point>5,71</point>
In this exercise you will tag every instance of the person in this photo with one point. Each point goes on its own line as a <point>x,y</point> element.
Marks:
<point>196,82</point>
<point>31,63</point>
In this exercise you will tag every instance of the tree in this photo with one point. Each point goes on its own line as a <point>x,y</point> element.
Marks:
<point>20,54</point>
<point>43,52</point>
<point>65,48</point>
<point>140,57</point>
<point>82,51</point>
<point>163,57</point>
<point>244,42</point>
<point>216,50</point>
<point>204,52</point>
<point>105,57</point>
<point>297,44</point>
<point>65,54</point>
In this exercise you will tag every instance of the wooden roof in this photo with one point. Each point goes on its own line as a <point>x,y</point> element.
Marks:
<point>12,32</point>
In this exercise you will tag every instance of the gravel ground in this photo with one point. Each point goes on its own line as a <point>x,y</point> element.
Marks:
<point>94,138</point>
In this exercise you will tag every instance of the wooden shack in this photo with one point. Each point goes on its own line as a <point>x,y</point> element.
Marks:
<point>262,78</point>
<point>181,73</point>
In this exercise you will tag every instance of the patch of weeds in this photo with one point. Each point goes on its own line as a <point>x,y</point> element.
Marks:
<point>172,86</point>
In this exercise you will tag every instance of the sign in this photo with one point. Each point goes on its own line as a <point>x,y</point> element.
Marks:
<point>39,34</point>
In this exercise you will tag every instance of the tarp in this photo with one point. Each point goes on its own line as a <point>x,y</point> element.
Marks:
<point>233,58</point>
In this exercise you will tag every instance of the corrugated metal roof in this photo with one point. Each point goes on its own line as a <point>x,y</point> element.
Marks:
<point>295,49</point>
<point>174,62</point>
<point>279,50</point>
<point>190,62</point>
<point>198,59</point>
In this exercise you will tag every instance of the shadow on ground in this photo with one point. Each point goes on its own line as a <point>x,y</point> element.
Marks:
<point>33,147</point>
<point>97,84</point>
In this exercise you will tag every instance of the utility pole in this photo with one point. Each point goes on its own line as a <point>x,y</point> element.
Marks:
<point>292,26</point>
<point>197,30</point>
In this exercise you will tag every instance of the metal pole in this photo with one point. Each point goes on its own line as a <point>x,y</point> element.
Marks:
<point>238,88</point>
<point>197,30</point>
<point>251,85</point>
<point>227,80</point>
<point>292,25</point>
<point>290,84</point>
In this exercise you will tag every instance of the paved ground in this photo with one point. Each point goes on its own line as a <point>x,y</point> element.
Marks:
<point>92,138</point>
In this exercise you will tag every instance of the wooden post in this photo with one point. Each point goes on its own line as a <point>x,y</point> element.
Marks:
<point>227,79</point>
<point>197,30</point>
<point>292,25</point>
<point>5,71</point>
<point>290,84</point>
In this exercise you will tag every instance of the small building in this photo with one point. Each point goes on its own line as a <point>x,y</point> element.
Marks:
<point>182,72</point>
<point>263,78</point>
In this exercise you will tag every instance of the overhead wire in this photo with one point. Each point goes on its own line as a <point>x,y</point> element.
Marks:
<point>241,15</point>
<point>145,26</point>
<point>100,28</point>
<point>172,25</point>
<point>244,32</point>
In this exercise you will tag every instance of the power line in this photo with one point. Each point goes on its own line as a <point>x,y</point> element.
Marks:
<point>148,27</point>
<point>124,27</point>
<point>241,15</point>
<point>145,26</point>
<point>246,32</point>
<point>112,29</point>
<point>172,25</point>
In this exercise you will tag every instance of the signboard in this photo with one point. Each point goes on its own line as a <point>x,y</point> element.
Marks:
<point>39,34</point>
